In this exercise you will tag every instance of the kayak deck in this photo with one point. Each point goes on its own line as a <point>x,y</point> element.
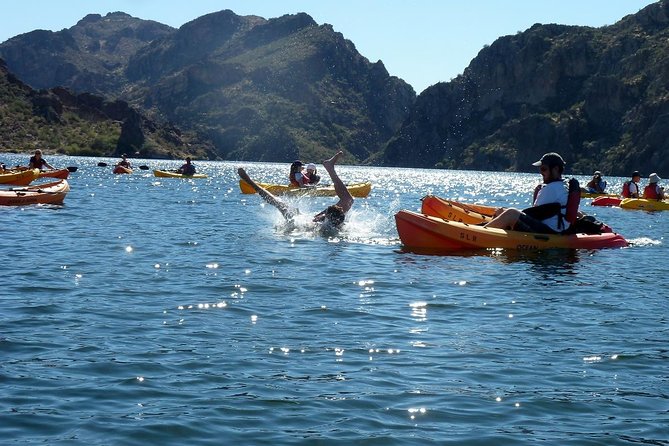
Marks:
<point>358,190</point>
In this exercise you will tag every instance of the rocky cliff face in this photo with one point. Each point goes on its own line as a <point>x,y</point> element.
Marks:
<point>256,89</point>
<point>597,96</point>
<point>58,120</point>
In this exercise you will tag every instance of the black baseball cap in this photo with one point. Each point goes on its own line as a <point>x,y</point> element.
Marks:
<point>550,159</point>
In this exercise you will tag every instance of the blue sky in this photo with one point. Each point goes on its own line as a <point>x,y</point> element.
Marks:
<point>420,41</point>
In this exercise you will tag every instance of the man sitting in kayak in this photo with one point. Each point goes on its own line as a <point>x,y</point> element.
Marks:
<point>332,216</point>
<point>187,169</point>
<point>124,162</point>
<point>37,162</point>
<point>551,198</point>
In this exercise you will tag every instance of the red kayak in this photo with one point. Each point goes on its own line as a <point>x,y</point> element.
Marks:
<point>606,201</point>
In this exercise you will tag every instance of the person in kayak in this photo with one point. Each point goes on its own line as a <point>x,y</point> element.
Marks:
<point>313,177</point>
<point>37,162</point>
<point>333,216</point>
<point>550,198</point>
<point>124,162</point>
<point>653,191</point>
<point>631,187</point>
<point>297,177</point>
<point>188,168</point>
<point>596,185</point>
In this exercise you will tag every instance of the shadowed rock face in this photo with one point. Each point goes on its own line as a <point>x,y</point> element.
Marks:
<point>54,120</point>
<point>596,95</point>
<point>255,89</point>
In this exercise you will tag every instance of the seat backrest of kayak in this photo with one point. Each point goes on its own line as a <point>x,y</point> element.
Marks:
<point>573,201</point>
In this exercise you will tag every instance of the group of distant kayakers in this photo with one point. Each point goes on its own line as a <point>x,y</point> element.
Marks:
<point>631,188</point>
<point>298,177</point>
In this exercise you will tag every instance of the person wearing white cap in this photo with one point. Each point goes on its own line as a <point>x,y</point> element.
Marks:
<point>314,178</point>
<point>597,185</point>
<point>550,205</point>
<point>653,191</point>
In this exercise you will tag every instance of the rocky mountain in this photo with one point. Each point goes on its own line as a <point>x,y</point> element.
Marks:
<point>256,89</point>
<point>59,121</point>
<point>598,96</point>
<point>89,57</point>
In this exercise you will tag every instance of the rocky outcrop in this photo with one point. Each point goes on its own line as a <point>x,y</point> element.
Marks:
<point>55,120</point>
<point>596,95</point>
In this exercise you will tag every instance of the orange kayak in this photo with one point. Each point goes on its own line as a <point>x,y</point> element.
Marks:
<point>424,233</point>
<point>455,211</point>
<point>18,177</point>
<point>58,173</point>
<point>121,169</point>
<point>48,193</point>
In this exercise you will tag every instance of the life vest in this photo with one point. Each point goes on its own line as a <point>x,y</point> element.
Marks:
<point>295,183</point>
<point>567,212</point>
<point>627,193</point>
<point>650,192</point>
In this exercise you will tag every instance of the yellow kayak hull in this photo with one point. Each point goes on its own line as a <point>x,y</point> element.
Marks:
<point>168,174</point>
<point>19,177</point>
<point>358,190</point>
<point>644,204</point>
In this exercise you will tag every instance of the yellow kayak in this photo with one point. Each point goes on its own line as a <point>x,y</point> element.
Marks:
<point>18,177</point>
<point>359,190</point>
<point>597,194</point>
<point>644,204</point>
<point>168,174</point>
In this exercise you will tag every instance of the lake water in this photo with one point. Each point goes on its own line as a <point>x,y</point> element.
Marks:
<point>163,311</point>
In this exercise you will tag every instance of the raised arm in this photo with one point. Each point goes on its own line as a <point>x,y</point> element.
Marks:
<point>286,211</point>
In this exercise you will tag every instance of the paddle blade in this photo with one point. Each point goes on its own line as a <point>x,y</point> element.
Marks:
<point>72,168</point>
<point>101,164</point>
<point>144,167</point>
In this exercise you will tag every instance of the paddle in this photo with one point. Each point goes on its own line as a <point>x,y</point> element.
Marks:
<point>143,167</point>
<point>72,168</point>
<point>101,164</point>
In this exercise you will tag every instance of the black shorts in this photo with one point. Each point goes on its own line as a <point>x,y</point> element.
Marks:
<point>526,223</point>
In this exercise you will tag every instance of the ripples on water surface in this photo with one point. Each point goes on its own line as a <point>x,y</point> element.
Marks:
<point>161,311</point>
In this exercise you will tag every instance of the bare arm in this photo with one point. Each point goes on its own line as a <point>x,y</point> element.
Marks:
<point>287,212</point>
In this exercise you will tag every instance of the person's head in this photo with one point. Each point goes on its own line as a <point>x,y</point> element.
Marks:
<point>334,215</point>
<point>653,178</point>
<point>188,160</point>
<point>597,175</point>
<point>311,168</point>
<point>124,156</point>
<point>636,176</point>
<point>551,166</point>
<point>296,166</point>
<point>38,153</point>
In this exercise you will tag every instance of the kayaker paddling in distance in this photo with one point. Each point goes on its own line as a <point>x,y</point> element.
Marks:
<point>550,205</point>
<point>332,216</point>
<point>37,162</point>
<point>188,168</point>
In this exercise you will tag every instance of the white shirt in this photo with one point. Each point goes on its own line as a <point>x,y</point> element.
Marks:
<point>634,188</point>
<point>554,192</point>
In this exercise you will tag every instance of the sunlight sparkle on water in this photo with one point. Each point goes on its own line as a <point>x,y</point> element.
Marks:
<point>128,249</point>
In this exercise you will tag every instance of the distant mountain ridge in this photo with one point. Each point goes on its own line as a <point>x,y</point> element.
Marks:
<point>257,89</point>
